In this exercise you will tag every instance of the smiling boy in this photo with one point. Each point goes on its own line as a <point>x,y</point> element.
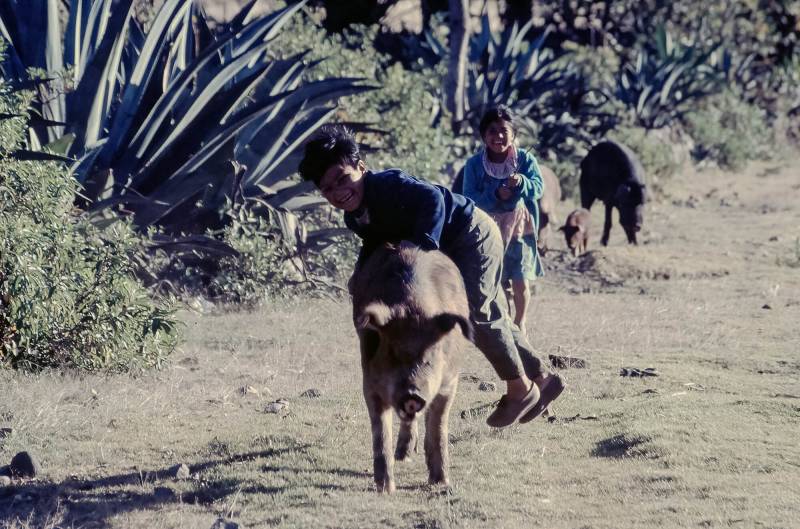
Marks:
<point>393,206</point>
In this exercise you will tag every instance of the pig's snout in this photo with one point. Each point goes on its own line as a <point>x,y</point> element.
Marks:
<point>410,405</point>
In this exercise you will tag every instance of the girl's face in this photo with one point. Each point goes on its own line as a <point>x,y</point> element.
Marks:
<point>498,137</point>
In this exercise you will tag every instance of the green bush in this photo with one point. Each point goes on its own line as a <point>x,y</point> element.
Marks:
<point>656,152</point>
<point>729,132</point>
<point>68,296</point>
<point>264,266</point>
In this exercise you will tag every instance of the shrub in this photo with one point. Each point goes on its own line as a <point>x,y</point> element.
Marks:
<point>68,296</point>
<point>729,132</point>
<point>255,262</point>
<point>263,266</point>
<point>657,153</point>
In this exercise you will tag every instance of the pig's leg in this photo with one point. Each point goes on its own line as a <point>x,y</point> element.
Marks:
<point>380,417</point>
<point>436,434</point>
<point>406,440</point>
<point>607,225</point>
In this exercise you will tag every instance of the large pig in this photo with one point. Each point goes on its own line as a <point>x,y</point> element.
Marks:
<point>551,195</point>
<point>411,314</point>
<point>612,173</point>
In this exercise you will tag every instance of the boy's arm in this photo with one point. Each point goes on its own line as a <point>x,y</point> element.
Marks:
<point>412,203</point>
<point>425,204</point>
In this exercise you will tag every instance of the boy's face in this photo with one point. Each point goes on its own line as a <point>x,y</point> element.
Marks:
<point>343,185</point>
<point>498,137</point>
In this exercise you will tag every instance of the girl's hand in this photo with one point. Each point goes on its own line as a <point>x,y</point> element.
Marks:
<point>514,180</point>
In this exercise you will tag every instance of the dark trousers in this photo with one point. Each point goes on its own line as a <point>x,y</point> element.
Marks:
<point>478,253</point>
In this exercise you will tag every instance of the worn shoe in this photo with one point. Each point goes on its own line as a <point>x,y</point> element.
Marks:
<point>508,411</point>
<point>552,388</point>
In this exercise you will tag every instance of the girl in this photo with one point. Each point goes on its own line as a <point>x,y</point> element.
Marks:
<point>506,182</point>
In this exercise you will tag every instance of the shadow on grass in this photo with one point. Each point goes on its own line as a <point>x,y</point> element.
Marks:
<point>623,445</point>
<point>83,503</point>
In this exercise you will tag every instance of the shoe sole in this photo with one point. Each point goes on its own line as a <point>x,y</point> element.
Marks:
<point>549,393</point>
<point>525,410</point>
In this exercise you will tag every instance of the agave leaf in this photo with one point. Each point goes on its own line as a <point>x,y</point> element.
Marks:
<point>237,21</point>
<point>224,136</point>
<point>77,22</point>
<point>166,104</point>
<point>274,22</point>
<point>288,190</point>
<point>666,89</point>
<point>61,145</point>
<point>39,156</point>
<point>302,203</point>
<point>314,93</point>
<point>88,104</point>
<point>287,72</point>
<point>37,121</point>
<point>291,228</point>
<point>80,169</point>
<point>53,107</point>
<point>201,100</point>
<point>140,78</point>
<point>271,166</point>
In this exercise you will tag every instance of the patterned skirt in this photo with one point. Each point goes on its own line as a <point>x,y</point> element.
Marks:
<point>521,259</point>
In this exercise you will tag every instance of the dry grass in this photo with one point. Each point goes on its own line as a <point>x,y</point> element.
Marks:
<point>711,442</point>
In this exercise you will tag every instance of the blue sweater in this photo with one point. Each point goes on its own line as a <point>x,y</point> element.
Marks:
<point>483,189</point>
<point>399,207</point>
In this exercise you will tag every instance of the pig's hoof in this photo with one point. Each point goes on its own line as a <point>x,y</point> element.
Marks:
<point>385,488</point>
<point>403,457</point>
<point>441,489</point>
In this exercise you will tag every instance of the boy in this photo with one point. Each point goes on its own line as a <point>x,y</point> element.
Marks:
<point>393,206</point>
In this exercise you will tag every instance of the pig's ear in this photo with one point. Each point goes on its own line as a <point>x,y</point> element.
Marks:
<point>374,316</point>
<point>562,228</point>
<point>445,323</point>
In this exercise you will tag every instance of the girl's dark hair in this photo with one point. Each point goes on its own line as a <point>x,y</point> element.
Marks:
<point>331,145</point>
<point>497,113</point>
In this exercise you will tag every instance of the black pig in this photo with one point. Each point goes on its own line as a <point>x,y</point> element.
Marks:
<point>612,173</point>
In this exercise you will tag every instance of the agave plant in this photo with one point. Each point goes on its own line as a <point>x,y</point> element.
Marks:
<point>154,119</point>
<point>665,80</point>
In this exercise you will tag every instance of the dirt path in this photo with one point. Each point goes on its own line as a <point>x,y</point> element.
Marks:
<point>710,300</point>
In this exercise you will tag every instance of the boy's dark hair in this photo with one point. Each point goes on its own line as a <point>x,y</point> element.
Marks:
<point>330,145</point>
<point>498,113</point>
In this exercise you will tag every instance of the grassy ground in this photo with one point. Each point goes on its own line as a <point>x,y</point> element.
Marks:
<point>711,442</point>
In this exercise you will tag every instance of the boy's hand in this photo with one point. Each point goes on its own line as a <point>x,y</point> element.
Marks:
<point>514,180</point>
